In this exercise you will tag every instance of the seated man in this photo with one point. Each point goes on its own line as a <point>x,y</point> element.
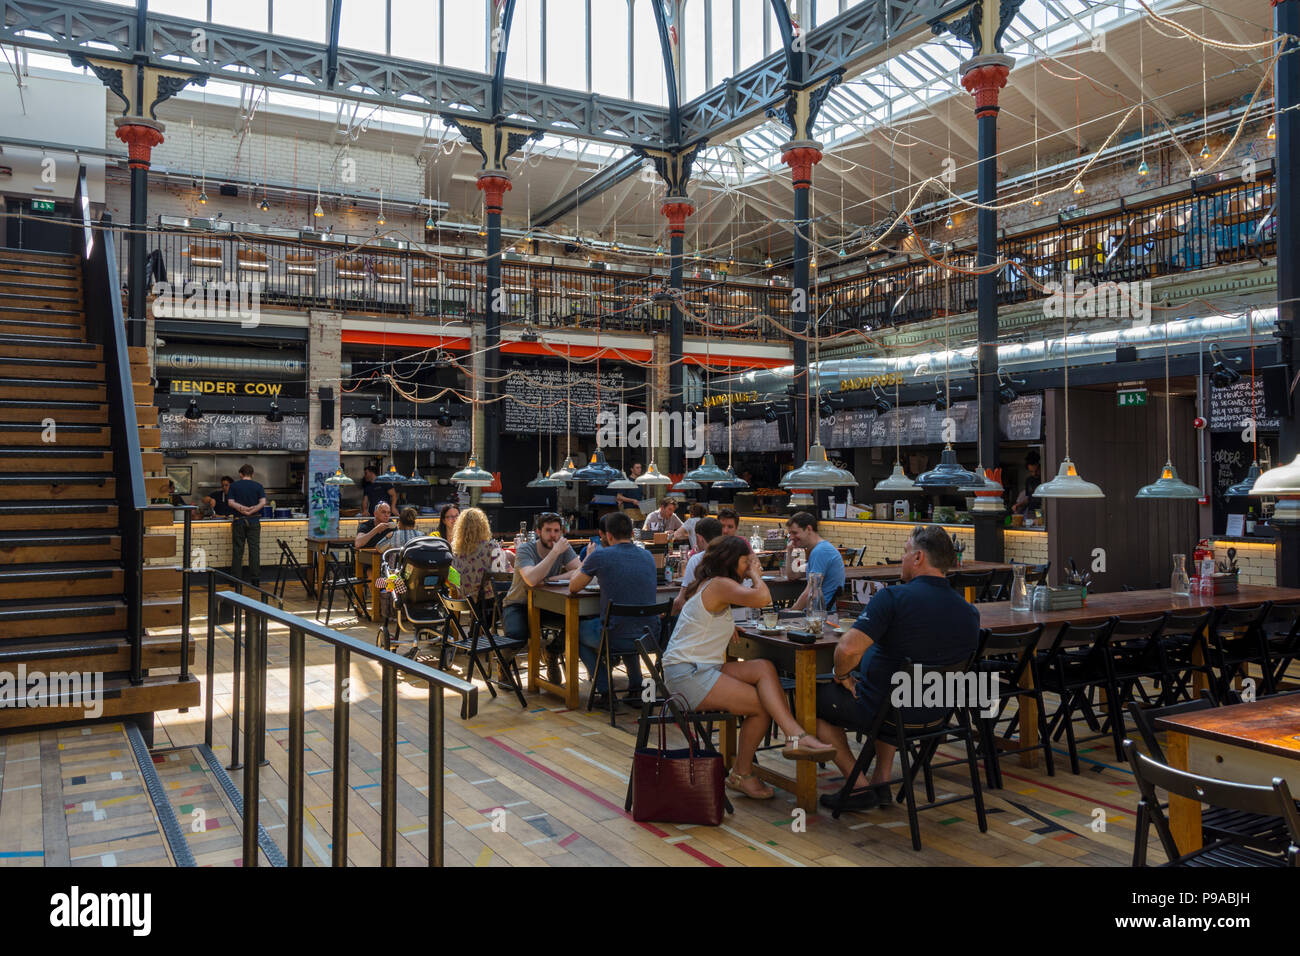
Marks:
<point>664,518</point>
<point>730,520</point>
<point>373,532</point>
<point>535,561</point>
<point>823,558</point>
<point>922,619</point>
<point>627,576</point>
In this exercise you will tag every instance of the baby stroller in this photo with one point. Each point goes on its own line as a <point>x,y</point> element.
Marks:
<point>418,572</point>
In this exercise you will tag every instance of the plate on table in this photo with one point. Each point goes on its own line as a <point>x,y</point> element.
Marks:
<point>770,631</point>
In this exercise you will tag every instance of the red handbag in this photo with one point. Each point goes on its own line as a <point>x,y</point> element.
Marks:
<point>677,786</point>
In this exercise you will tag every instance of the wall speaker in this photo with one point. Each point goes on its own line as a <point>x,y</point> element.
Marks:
<point>1277,403</point>
<point>326,396</point>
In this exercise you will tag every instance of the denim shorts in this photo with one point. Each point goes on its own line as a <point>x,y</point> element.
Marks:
<point>692,681</point>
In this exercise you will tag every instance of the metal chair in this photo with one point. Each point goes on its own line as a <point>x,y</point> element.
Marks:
<point>289,562</point>
<point>1280,631</point>
<point>1184,654</point>
<point>605,653</point>
<point>978,580</point>
<point>479,639</point>
<point>1074,673</point>
<point>1236,640</point>
<point>1011,655</point>
<point>340,572</point>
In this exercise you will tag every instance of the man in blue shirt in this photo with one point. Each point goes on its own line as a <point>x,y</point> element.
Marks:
<point>823,558</point>
<point>922,619</point>
<point>627,576</point>
<point>246,499</point>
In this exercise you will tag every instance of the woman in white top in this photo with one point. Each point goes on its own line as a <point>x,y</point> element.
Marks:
<point>695,664</point>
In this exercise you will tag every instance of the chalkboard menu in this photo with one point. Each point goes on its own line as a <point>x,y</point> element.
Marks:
<point>849,428</point>
<point>1230,459</point>
<point>1022,419</point>
<point>747,436</point>
<point>1231,407</point>
<point>224,431</point>
<point>405,434</point>
<point>536,399</point>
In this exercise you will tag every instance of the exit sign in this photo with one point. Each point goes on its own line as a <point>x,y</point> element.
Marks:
<point>1131,396</point>
<point>42,205</point>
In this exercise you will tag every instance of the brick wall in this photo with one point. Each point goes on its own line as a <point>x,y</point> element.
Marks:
<point>1258,561</point>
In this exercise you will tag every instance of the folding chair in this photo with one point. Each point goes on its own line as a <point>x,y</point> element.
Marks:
<point>1135,656</point>
<point>999,588</point>
<point>340,573</point>
<point>785,593</point>
<point>1280,631</point>
<point>1265,832</point>
<point>979,581</point>
<point>479,638</point>
<point>289,561</point>
<point>1184,654</point>
<point>1011,655</point>
<point>604,653</point>
<point>648,650</point>
<point>1236,642</point>
<point>1275,800</point>
<point>1074,673</point>
<point>917,733</point>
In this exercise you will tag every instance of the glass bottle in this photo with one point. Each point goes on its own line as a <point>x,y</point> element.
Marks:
<point>1019,593</point>
<point>1178,580</point>
<point>755,539</point>
<point>816,609</point>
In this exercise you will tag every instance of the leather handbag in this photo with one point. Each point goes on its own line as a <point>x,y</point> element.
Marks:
<point>677,786</point>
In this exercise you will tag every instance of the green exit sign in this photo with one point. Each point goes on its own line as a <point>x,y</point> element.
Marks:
<point>1132,396</point>
<point>42,205</point>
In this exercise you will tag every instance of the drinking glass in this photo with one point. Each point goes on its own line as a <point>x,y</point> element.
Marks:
<point>770,618</point>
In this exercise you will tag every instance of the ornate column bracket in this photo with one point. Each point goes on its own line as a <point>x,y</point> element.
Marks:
<point>673,166</point>
<point>801,106</point>
<point>141,136</point>
<point>676,209</point>
<point>980,24</point>
<point>984,77</point>
<point>495,142</point>
<point>494,186</point>
<point>138,86</point>
<point>801,156</point>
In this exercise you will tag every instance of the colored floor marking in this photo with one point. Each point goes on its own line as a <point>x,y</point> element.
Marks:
<point>537,765</point>
<point>1068,793</point>
<point>609,770</point>
<point>760,845</point>
<point>13,854</point>
<point>485,857</point>
<point>569,839</point>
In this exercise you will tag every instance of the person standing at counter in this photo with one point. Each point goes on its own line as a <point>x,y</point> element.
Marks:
<point>246,499</point>
<point>217,501</point>
<point>631,498</point>
<point>372,493</point>
<point>1027,501</point>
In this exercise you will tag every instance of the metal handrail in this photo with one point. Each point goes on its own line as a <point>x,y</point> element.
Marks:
<point>255,672</point>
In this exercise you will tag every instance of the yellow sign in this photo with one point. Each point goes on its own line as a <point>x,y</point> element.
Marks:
<point>188,387</point>
<point>871,381</point>
<point>731,397</point>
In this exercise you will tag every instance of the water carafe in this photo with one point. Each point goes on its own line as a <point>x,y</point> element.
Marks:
<point>1019,592</point>
<point>1178,580</point>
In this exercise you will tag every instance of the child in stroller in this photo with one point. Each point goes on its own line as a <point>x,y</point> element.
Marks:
<point>415,573</point>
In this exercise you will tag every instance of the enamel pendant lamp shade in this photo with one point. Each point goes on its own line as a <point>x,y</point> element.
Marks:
<point>544,481</point>
<point>707,472</point>
<point>947,474</point>
<point>1282,481</point>
<point>687,485</point>
<point>1168,485</point>
<point>472,476</point>
<point>621,483</point>
<point>1244,487</point>
<point>391,477</point>
<point>802,500</point>
<point>339,478</point>
<point>817,472</point>
<point>565,471</point>
<point>981,483</point>
<point>597,471</point>
<point>1068,484</point>
<point>897,481</point>
<point>653,476</point>
<point>732,482</point>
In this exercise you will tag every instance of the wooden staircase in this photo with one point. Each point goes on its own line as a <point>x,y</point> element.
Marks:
<point>63,594</point>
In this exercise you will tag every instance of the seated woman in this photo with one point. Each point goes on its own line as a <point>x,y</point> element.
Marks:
<point>447,521</point>
<point>695,664</point>
<point>406,530</point>
<point>473,550</point>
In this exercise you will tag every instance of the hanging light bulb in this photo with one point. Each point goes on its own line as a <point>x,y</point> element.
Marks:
<point>1078,187</point>
<point>659,249</point>
<point>482,231</point>
<point>381,220</point>
<point>696,257</point>
<point>203,198</point>
<point>339,478</point>
<point>472,476</point>
<point>1205,151</point>
<point>318,212</point>
<point>767,263</point>
<point>842,253</point>
<point>429,223</point>
<point>1038,200</point>
<point>1272,131</point>
<point>264,205</point>
<point>948,223</point>
<point>1143,168</point>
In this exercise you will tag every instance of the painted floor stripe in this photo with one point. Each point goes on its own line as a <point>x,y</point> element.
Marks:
<point>609,770</point>
<point>760,845</point>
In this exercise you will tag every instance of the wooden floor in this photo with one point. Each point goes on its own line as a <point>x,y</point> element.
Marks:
<point>74,796</point>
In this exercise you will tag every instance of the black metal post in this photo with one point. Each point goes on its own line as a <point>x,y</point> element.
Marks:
<point>211,659</point>
<point>1286,91</point>
<point>988,529</point>
<point>799,303</point>
<point>339,802</point>
<point>135,281</point>
<point>676,346</point>
<point>237,647</point>
<point>185,595</point>
<point>493,186</point>
<point>297,742</point>
<point>388,768</point>
<point>253,672</point>
<point>436,729</point>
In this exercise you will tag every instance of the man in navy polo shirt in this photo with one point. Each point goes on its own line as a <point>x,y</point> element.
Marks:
<point>922,619</point>
<point>246,499</point>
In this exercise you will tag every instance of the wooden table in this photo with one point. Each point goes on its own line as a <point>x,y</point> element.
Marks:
<point>557,599</point>
<point>998,616</point>
<point>1243,743</point>
<point>368,564</point>
<point>805,661</point>
<point>888,571</point>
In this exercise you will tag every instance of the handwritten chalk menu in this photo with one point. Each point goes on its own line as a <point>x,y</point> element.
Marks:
<point>1022,419</point>
<point>405,434</point>
<point>1230,408</point>
<point>536,399</point>
<point>848,428</point>
<point>224,431</point>
<point>753,435</point>
<point>1230,459</point>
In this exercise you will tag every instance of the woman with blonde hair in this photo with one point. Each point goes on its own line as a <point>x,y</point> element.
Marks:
<point>473,550</point>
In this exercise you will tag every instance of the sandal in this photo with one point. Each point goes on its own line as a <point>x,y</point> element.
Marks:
<point>794,749</point>
<point>736,784</point>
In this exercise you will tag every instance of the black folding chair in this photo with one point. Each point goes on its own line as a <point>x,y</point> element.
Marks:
<point>1281,640</point>
<point>479,640</point>
<point>1000,585</point>
<point>1036,574</point>
<point>1266,833</point>
<point>978,580</point>
<point>1237,641</point>
<point>703,720</point>
<point>1135,656</point>
<point>289,562</point>
<point>605,654</point>
<point>785,593</point>
<point>1011,655</point>
<point>341,574</point>
<point>917,733</point>
<point>1275,800</point>
<point>1074,673</point>
<point>1184,654</point>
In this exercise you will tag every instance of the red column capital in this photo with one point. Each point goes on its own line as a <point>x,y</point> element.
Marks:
<point>801,160</point>
<point>984,82</point>
<point>140,138</point>
<point>676,210</point>
<point>494,187</point>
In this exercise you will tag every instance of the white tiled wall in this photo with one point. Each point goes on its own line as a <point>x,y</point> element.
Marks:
<point>1258,562</point>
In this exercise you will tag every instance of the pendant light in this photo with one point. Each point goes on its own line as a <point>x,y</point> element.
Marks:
<point>732,482</point>
<point>565,472</point>
<point>1168,485</point>
<point>597,472</point>
<point>621,483</point>
<point>391,477</point>
<point>1246,486</point>
<point>653,477</point>
<point>946,474</point>
<point>472,476</point>
<point>897,480</point>
<point>687,485</point>
<point>543,479</point>
<point>1067,483</point>
<point>707,471</point>
<point>340,477</point>
<point>415,478</point>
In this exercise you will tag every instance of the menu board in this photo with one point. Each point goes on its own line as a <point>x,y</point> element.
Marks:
<point>405,434</point>
<point>556,399</point>
<point>225,431</point>
<point>753,435</point>
<point>849,428</point>
<point>1022,418</point>
<point>1231,407</point>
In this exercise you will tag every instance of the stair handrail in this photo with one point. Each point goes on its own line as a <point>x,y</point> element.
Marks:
<point>258,615</point>
<point>105,326</point>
